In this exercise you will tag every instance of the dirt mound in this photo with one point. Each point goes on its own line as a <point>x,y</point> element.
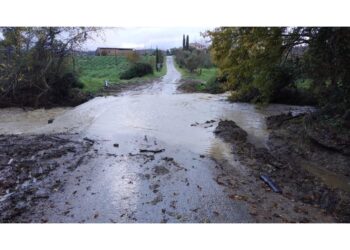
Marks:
<point>230,132</point>
<point>283,163</point>
<point>319,174</point>
<point>330,133</point>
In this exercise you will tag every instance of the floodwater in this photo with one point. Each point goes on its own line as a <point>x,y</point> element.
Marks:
<point>122,185</point>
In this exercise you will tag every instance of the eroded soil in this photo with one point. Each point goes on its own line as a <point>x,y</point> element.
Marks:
<point>308,195</point>
<point>32,167</point>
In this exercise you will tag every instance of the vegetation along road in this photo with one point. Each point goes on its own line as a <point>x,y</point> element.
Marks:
<point>206,134</point>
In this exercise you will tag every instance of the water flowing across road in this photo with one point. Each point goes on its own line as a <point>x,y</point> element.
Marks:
<point>123,185</point>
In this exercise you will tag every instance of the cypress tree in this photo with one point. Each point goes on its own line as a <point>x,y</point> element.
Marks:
<point>183,43</point>
<point>157,58</point>
<point>187,42</point>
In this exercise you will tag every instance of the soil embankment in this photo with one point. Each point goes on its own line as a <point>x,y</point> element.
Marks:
<point>312,177</point>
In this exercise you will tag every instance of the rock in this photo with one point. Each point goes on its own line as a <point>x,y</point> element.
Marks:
<point>50,121</point>
<point>116,145</point>
<point>160,170</point>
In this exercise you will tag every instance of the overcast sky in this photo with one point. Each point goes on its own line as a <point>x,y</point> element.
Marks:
<point>138,38</point>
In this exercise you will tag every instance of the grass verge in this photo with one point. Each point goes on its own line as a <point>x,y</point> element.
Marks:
<point>203,80</point>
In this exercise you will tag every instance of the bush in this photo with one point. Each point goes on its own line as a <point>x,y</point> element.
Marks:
<point>71,80</point>
<point>137,70</point>
<point>214,86</point>
<point>62,86</point>
<point>193,59</point>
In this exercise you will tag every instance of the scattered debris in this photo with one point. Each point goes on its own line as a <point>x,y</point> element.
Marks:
<point>160,170</point>
<point>271,184</point>
<point>156,200</point>
<point>89,140</point>
<point>27,167</point>
<point>167,158</point>
<point>155,151</point>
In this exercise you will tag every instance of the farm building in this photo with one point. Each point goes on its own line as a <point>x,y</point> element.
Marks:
<point>198,46</point>
<point>145,51</point>
<point>112,51</point>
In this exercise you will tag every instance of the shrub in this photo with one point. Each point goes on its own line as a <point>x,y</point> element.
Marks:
<point>62,86</point>
<point>214,86</point>
<point>137,70</point>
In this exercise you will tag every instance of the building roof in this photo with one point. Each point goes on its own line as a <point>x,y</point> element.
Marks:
<point>115,48</point>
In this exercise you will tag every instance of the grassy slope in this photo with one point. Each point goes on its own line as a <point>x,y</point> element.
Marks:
<point>94,70</point>
<point>204,77</point>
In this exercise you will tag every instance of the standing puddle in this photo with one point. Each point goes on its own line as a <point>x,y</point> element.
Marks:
<point>331,179</point>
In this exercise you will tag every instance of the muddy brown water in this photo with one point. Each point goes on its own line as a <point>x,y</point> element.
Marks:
<point>122,185</point>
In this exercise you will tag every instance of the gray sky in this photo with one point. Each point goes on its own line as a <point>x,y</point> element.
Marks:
<point>142,37</point>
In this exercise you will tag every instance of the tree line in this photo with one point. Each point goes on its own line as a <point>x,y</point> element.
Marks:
<point>37,67</point>
<point>272,64</point>
<point>190,57</point>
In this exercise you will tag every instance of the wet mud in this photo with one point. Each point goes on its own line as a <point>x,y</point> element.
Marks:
<point>33,167</point>
<point>286,161</point>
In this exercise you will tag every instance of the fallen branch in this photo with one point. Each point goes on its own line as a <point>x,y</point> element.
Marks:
<point>155,151</point>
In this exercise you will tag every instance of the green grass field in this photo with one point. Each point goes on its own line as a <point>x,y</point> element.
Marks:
<point>204,76</point>
<point>94,70</point>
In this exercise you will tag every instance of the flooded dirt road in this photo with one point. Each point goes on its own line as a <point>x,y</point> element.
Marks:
<point>156,157</point>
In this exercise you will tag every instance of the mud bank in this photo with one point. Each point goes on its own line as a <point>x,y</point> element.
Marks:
<point>314,180</point>
<point>32,167</point>
<point>119,88</point>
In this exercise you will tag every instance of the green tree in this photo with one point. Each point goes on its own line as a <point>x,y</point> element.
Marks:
<point>259,62</point>
<point>133,57</point>
<point>187,42</point>
<point>327,63</point>
<point>37,69</point>
<point>247,57</point>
